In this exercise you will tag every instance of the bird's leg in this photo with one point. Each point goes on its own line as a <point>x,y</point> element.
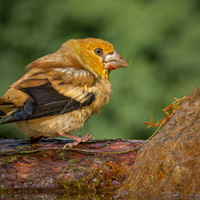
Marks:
<point>76,139</point>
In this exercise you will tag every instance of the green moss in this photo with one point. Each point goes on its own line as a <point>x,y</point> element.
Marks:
<point>8,159</point>
<point>24,147</point>
<point>102,178</point>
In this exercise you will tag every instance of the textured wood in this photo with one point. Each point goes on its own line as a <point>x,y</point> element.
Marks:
<point>45,164</point>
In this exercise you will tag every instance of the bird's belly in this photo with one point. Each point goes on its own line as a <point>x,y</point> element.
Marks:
<point>49,126</point>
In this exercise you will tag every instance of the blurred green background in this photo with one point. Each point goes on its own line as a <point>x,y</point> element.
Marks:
<point>161,40</point>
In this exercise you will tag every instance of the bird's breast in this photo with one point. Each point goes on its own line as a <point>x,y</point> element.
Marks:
<point>103,95</point>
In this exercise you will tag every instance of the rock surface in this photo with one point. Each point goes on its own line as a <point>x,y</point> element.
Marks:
<point>170,162</point>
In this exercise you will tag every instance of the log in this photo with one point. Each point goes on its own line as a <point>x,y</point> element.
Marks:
<point>95,164</point>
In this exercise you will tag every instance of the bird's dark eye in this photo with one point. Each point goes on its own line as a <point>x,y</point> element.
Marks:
<point>98,51</point>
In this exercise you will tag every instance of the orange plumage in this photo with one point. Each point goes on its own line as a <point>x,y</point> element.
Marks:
<point>60,91</point>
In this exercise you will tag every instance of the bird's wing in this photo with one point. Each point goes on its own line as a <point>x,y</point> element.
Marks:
<point>54,92</point>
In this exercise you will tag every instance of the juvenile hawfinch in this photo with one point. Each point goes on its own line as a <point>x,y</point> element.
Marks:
<point>60,91</point>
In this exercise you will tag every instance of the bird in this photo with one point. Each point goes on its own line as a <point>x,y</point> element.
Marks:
<point>60,91</point>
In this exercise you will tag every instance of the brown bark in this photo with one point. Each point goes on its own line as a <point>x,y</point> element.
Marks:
<point>45,164</point>
<point>170,162</point>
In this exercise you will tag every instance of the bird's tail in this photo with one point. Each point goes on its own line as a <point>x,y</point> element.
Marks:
<point>7,119</point>
<point>5,106</point>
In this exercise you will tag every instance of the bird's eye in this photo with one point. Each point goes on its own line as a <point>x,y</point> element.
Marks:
<point>98,51</point>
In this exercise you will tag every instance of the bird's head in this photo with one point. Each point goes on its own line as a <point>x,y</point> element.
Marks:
<point>96,55</point>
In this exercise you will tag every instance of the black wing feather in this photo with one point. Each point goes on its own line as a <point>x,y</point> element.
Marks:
<point>44,94</point>
<point>45,101</point>
<point>1,113</point>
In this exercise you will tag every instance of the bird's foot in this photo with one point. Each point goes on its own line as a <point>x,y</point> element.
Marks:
<point>76,139</point>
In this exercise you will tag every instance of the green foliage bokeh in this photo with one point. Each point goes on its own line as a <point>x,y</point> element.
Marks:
<point>160,39</point>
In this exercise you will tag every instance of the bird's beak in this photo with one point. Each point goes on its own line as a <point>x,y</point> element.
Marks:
<point>114,61</point>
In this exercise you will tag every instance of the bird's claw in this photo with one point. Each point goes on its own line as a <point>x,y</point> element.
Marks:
<point>78,140</point>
